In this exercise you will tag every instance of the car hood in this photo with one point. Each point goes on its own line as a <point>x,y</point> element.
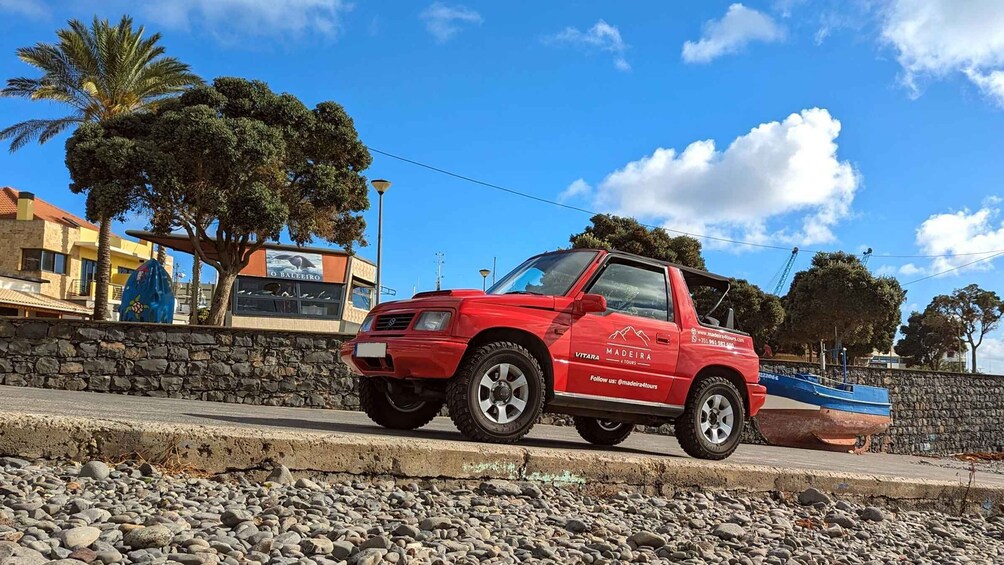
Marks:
<point>454,298</point>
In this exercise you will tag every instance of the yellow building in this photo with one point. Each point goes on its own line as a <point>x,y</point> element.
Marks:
<point>41,241</point>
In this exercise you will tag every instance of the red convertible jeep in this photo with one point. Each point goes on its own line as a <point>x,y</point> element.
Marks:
<point>610,338</point>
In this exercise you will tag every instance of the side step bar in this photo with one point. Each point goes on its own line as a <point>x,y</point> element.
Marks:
<point>628,411</point>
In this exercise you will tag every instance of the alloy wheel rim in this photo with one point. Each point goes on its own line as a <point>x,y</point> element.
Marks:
<point>404,406</point>
<point>717,419</point>
<point>609,426</point>
<point>503,393</point>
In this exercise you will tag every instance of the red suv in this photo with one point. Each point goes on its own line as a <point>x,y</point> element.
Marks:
<point>609,338</point>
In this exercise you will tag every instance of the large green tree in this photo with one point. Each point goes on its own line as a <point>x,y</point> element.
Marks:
<point>757,313</point>
<point>976,311</point>
<point>928,337</point>
<point>99,72</point>
<point>626,234</point>
<point>839,301</point>
<point>234,165</point>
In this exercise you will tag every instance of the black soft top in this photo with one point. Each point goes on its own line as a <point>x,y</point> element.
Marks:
<point>694,277</point>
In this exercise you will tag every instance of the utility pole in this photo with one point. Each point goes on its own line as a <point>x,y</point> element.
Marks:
<point>439,269</point>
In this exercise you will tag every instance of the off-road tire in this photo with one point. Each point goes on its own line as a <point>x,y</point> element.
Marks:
<point>376,402</point>
<point>592,431</point>
<point>688,425</point>
<point>462,393</point>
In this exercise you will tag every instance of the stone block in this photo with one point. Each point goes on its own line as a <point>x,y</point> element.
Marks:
<point>150,367</point>
<point>46,366</point>
<point>33,330</point>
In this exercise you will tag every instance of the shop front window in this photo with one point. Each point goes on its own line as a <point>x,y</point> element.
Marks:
<point>256,296</point>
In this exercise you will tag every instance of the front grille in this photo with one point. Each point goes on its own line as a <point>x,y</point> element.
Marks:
<point>393,322</point>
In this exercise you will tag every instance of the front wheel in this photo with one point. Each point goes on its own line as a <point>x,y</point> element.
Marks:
<point>602,432</point>
<point>395,410</point>
<point>712,421</point>
<point>497,394</point>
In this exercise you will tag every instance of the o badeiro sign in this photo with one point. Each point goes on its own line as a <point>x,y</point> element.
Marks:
<point>291,264</point>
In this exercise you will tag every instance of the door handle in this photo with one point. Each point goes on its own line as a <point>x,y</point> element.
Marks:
<point>662,338</point>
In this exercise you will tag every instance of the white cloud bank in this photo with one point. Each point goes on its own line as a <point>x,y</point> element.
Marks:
<point>964,236</point>
<point>602,36</point>
<point>783,168</point>
<point>578,188</point>
<point>938,38</point>
<point>737,28</point>
<point>233,20</point>
<point>990,355</point>
<point>444,22</point>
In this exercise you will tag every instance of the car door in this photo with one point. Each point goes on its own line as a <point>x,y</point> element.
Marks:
<point>630,351</point>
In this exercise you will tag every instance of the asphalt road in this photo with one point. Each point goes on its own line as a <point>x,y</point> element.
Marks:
<point>164,410</point>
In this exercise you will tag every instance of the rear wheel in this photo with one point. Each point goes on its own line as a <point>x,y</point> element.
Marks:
<point>396,410</point>
<point>602,432</point>
<point>713,419</point>
<point>497,394</point>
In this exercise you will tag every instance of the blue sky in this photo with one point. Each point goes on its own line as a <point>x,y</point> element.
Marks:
<point>828,125</point>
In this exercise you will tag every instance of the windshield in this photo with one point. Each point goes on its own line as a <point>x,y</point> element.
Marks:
<point>549,275</point>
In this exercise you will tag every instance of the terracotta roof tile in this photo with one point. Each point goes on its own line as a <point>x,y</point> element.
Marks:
<point>34,301</point>
<point>43,210</point>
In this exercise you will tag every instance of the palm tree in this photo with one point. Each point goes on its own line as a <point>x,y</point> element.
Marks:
<point>99,72</point>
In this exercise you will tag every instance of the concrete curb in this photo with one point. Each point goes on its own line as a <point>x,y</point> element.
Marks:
<point>219,449</point>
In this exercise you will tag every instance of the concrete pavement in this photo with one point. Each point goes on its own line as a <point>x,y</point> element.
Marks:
<point>219,437</point>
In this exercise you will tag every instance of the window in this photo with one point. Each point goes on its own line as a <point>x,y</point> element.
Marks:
<point>10,312</point>
<point>254,296</point>
<point>634,290</point>
<point>43,260</point>
<point>124,271</point>
<point>362,297</point>
<point>552,274</point>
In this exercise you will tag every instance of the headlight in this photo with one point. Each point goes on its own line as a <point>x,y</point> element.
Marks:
<point>367,324</point>
<point>433,321</point>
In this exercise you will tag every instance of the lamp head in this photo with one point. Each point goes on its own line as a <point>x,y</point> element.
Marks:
<point>485,272</point>
<point>381,185</point>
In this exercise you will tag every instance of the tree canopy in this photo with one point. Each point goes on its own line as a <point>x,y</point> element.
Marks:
<point>235,165</point>
<point>928,337</point>
<point>627,235</point>
<point>976,311</point>
<point>838,300</point>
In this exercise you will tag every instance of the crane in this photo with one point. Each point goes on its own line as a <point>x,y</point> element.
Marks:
<point>786,270</point>
<point>866,256</point>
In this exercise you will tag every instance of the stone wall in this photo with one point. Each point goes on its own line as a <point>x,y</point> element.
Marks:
<point>202,363</point>
<point>934,413</point>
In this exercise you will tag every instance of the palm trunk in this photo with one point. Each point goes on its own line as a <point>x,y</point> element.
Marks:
<point>195,290</point>
<point>104,267</point>
<point>161,255</point>
<point>221,299</point>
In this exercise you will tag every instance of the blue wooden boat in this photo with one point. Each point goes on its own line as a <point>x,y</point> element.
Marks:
<point>805,410</point>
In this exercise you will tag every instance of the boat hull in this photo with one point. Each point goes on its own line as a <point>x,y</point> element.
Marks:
<point>801,411</point>
<point>823,428</point>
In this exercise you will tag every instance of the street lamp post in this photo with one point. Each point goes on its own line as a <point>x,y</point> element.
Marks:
<point>381,187</point>
<point>484,278</point>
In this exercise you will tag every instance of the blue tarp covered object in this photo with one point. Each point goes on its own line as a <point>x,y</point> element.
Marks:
<point>147,296</point>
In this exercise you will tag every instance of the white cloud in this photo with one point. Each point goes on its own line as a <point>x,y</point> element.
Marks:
<point>443,21</point>
<point>788,168</point>
<point>737,28</point>
<point>232,20</point>
<point>964,236</point>
<point>938,38</point>
<point>602,36</point>
<point>577,189</point>
<point>29,8</point>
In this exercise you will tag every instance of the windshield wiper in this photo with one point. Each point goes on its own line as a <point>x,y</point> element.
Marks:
<point>525,292</point>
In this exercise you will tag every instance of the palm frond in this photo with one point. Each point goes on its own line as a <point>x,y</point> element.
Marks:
<point>22,133</point>
<point>101,70</point>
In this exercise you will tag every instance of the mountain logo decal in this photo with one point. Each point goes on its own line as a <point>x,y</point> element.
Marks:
<point>627,334</point>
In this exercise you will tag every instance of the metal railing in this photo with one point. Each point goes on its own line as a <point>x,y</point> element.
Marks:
<point>86,288</point>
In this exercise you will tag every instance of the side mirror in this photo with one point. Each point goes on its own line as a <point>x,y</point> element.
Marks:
<point>587,303</point>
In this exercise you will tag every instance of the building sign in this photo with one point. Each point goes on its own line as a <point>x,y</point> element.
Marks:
<point>291,264</point>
